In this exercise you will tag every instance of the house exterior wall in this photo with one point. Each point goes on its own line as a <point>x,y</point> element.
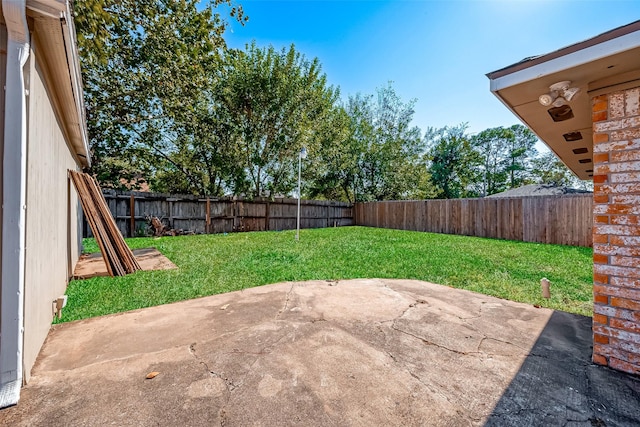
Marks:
<point>52,231</point>
<point>616,232</point>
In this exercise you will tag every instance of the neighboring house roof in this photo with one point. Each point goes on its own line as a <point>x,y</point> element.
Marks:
<point>538,190</point>
<point>610,59</point>
<point>53,28</point>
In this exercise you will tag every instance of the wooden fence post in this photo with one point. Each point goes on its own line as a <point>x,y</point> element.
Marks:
<point>132,211</point>
<point>266,216</point>
<point>208,217</point>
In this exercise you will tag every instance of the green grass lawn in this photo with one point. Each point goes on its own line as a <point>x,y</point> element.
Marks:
<point>213,264</point>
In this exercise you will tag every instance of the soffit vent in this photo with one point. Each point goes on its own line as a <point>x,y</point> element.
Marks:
<point>572,136</point>
<point>560,114</point>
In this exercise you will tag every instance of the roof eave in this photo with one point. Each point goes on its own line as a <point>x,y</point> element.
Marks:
<point>60,11</point>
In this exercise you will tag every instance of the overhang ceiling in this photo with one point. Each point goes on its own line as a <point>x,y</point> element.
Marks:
<point>51,24</point>
<point>605,61</point>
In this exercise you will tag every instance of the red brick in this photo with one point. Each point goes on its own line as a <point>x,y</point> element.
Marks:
<point>600,238</point>
<point>616,250</point>
<point>600,339</point>
<point>616,291</point>
<point>600,98</point>
<point>629,288</point>
<point>624,199</point>
<point>624,240</point>
<point>600,158</point>
<point>599,318</point>
<point>600,259</point>
<point>601,299</point>
<point>599,105</point>
<point>599,116</point>
<point>600,137</point>
<point>628,188</point>
<point>600,198</point>
<point>601,219</point>
<point>625,345</point>
<point>619,230</point>
<point>625,134</point>
<point>613,312</point>
<point>625,177</point>
<point>625,303</point>
<point>627,166</point>
<point>620,209</point>
<point>601,278</point>
<point>625,261</point>
<point>600,360</point>
<point>617,333</point>
<point>625,325</point>
<point>624,366</point>
<point>612,351</point>
<point>599,179</point>
<point>616,105</point>
<point>615,270</point>
<point>625,219</point>
<point>616,145</point>
<point>625,156</point>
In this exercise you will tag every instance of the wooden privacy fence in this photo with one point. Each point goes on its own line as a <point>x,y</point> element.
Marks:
<point>564,220</point>
<point>225,215</point>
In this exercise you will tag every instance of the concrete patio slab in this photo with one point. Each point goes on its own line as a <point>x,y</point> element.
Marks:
<point>357,352</point>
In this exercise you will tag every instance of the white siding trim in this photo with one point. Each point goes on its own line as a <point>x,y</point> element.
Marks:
<point>14,200</point>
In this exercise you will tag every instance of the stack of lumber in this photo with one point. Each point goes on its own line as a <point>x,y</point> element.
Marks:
<point>115,252</point>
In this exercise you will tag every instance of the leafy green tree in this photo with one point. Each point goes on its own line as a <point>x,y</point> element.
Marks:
<point>491,146</point>
<point>391,166</point>
<point>452,162</point>
<point>332,167</point>
<point>146,65</point>
<point>277,102</point>
<point>520,150</point>
<point>506,154</point>
<point>549,169</point>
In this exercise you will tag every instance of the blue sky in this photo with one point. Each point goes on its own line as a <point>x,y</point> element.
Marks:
<point>437,52</point>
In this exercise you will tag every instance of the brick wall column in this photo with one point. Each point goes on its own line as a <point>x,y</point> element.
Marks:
<point>616,230</point>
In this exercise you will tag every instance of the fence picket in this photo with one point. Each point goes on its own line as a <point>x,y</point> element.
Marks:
<point>564,220</point>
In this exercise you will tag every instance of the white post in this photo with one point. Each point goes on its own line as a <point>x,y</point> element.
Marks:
<point>301,155</point>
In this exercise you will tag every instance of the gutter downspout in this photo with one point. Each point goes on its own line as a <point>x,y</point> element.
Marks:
<point>14,203</point>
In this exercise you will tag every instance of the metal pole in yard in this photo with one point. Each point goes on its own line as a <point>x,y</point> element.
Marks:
<point>301,155</point>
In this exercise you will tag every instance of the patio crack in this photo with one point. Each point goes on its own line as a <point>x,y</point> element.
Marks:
<point>427,342</point>
<point>229,383</point>
<point>286,302</point>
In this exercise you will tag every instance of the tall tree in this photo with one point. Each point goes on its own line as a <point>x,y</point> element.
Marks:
<point>520,149</point>
<point>492,146</point>
<point>276,101</point>
<point>452,162</point>
<point>506,155</point>
<point>549,169</point>
<point>146,63</point>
